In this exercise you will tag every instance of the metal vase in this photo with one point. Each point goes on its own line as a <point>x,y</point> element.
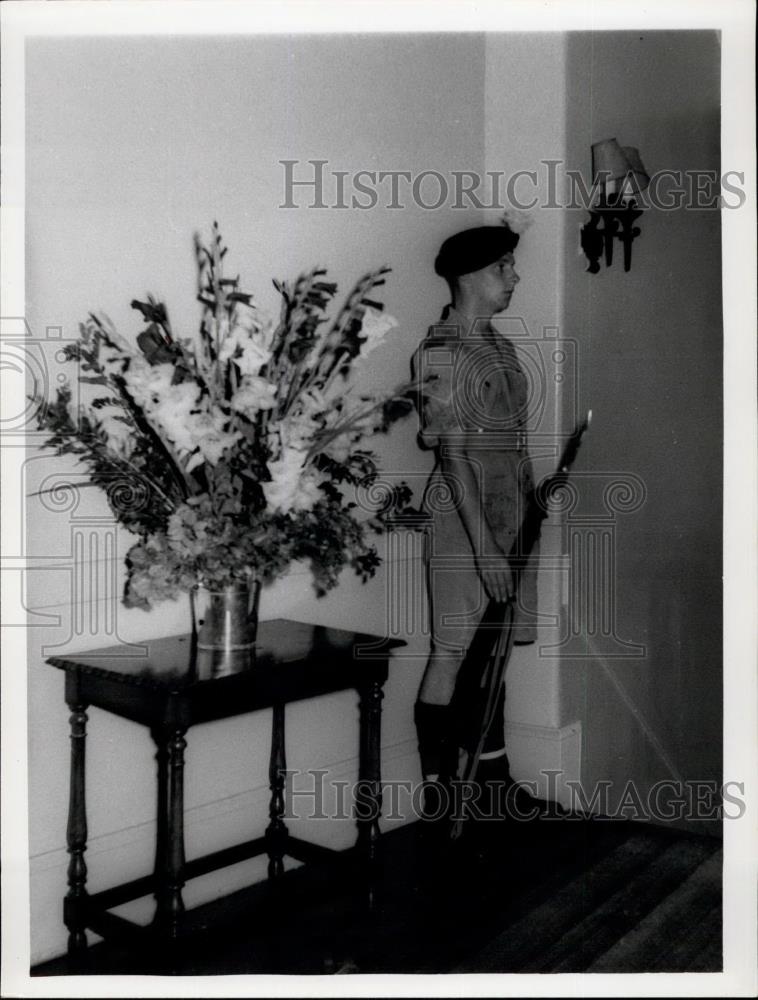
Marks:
<point>225,625</point>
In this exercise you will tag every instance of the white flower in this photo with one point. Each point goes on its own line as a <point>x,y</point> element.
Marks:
<point>292,486</point>
<point>175,413</point>
<point>308,492</point>
<point>169,408</point>
<point>254,394</point>
<point>253,357</point>
<point>376,325</point>
<point>339,448</point>
<point>247,348</point>
<point>249,317</point>
<point>147,383</point>
<point>297,430</point>
<point>208,435</point>
<point>180,414</point>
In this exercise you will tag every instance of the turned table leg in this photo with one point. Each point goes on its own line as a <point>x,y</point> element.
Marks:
<point>368,805</point>
<point>76,836</point>
<point>169,852</point>
<point>276,831</point>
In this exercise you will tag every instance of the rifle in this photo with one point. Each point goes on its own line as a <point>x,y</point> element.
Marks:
<point>477,689</point>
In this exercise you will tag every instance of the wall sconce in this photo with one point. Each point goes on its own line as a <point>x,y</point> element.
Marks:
<point>621,174</point>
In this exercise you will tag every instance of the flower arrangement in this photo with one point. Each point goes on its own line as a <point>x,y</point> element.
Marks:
<point>240,449</point>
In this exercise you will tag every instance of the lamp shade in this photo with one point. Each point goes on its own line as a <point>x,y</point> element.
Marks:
<point>636,178</point>
<point>608,160</point>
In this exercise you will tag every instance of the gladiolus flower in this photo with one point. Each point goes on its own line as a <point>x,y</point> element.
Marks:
<point>375,327</point>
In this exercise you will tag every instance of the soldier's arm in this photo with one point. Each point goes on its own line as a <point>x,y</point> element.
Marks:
<point>492,564</point>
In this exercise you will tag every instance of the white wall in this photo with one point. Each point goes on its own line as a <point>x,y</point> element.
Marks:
<point>132,144</point>
<point>526,124</point>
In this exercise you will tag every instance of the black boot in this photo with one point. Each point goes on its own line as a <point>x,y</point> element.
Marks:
<point>494,780</point>
<point>500,797</point>
<point>438,751</point>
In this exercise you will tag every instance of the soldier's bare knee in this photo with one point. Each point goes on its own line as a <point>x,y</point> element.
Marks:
<point>438,684</point>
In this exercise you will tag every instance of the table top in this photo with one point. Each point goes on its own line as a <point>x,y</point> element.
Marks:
<point>293,660</point>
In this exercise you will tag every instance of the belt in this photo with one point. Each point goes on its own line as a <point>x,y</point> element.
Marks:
<point>504,440</point>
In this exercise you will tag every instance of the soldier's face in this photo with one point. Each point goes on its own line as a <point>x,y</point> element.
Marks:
<point>493,285</point>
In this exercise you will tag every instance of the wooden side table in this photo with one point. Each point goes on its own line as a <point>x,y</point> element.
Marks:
<point>161,690</point>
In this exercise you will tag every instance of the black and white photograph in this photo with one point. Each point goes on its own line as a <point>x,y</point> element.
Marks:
<point>379,499</point>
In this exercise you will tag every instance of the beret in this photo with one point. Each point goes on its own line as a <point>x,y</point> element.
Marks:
<point>473,249</point>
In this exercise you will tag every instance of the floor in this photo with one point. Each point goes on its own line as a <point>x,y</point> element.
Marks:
<point>557,895</point>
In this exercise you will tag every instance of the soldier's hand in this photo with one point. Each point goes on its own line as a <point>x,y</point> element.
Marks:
<point>496,576</point>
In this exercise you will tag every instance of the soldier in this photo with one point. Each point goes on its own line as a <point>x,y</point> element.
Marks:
<point>472,399</point>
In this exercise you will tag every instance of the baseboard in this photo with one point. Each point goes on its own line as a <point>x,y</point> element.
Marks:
<point>129,853</point>
<point>535,752</point>
<point>547,757</point>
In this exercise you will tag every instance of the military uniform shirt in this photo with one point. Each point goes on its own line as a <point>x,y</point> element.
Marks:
<point>472,400</point>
